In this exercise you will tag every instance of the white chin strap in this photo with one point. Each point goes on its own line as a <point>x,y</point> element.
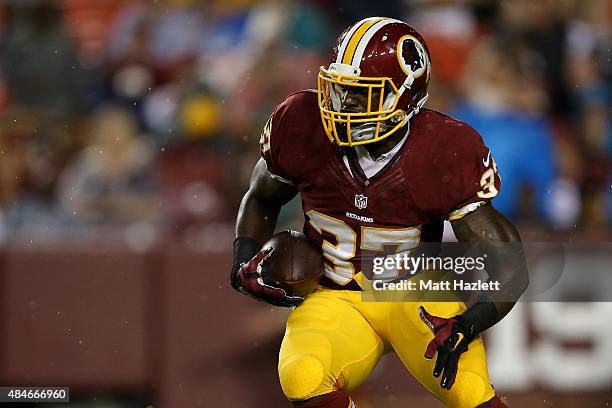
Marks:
<point>417,108</point>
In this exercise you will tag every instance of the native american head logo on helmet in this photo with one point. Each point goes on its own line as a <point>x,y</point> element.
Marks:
<point>383,61</point>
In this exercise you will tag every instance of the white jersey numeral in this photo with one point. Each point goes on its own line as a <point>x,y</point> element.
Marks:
<point>340,252</point>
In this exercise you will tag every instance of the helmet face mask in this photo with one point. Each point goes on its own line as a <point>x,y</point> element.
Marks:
<point>349,127</point>
<point>382,67</point>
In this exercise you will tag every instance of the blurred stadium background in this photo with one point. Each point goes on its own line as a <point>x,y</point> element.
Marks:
<point>128,130</point>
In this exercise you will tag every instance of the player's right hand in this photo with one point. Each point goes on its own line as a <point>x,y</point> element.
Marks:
<point>247,279</point>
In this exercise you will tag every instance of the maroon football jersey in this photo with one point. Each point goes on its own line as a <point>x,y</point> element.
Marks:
<point>442,171</point>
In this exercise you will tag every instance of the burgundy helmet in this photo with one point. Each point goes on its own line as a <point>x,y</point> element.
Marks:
<point>383,59</point>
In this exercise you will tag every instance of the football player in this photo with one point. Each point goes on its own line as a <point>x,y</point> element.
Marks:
<point>374,166</point>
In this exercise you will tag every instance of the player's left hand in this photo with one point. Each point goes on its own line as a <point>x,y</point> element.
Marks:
<point>450,340</point>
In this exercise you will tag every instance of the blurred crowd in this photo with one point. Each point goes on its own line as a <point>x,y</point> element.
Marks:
<point>142,117</point>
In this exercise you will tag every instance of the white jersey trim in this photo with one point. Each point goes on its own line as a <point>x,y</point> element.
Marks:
<point>463,211</point>
<point>281,179</point>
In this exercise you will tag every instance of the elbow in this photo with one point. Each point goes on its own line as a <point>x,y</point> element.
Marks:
<point>509,233</point>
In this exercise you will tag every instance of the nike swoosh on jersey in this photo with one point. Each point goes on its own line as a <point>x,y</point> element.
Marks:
<point>486,162</point>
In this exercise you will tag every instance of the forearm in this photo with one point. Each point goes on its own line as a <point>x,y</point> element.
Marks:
<point>254,226</point>
<point>505,264</point>
<point>261,205</point>
<point>256,218</point>
<point>506,267</point>
<point>486,311</point>
<point>257,215</point>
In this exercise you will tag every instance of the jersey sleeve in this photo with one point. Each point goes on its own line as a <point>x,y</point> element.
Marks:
<point>475,178</point>
<point>275,145</point>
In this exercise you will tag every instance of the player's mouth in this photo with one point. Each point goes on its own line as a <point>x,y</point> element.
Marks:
<point>365,131</point>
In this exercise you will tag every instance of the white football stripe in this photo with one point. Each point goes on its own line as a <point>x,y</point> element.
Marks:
<point>367,37</point>
<point>348,36</point>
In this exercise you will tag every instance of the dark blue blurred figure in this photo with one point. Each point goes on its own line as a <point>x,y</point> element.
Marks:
<point>505,101</point>
<point>522,147</point>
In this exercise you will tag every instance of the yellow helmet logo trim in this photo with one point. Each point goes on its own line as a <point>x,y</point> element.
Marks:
<point>425,63</point>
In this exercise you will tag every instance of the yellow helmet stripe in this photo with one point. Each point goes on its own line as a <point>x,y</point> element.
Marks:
<point>363,43</point>
<point>349,51</point>
<point>346,38</point>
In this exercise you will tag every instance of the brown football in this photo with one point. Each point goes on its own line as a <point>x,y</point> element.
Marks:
<point>295,264</point>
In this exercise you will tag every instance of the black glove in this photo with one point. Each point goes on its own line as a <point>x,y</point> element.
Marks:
<point>453,335</point>
<point>451,339</point>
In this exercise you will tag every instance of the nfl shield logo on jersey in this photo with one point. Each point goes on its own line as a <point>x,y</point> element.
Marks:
<point>361,201</point>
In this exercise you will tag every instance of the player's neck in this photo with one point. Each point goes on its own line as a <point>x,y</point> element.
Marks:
<point>378,149</point>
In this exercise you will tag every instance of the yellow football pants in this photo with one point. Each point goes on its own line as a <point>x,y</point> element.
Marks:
<point>333,341</point>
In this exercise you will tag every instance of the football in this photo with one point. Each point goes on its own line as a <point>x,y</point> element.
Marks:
<point>295,264</point>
